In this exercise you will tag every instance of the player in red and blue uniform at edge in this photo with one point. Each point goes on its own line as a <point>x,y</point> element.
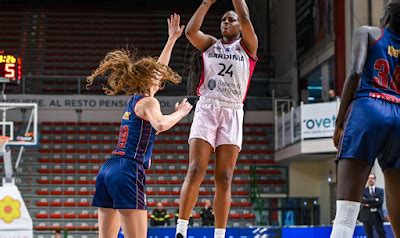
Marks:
<point>368,123</point>
<point>120,184</point>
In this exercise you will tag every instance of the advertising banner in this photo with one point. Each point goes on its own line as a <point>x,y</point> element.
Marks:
<point>318,120</point>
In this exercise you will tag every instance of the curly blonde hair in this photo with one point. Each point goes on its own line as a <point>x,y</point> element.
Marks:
<point>130,76</point>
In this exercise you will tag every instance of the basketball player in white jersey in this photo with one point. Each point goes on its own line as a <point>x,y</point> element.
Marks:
<point>228,64</point>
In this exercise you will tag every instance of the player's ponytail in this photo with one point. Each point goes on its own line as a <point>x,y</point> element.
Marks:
<point>128,76</point>
<point>195,71</point>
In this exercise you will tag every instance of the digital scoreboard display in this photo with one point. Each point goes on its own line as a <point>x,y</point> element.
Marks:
<point>10,68</point>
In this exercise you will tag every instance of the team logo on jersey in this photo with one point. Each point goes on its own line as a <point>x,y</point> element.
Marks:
<point>212,84</point>
<point>393,52</point>
<point>126,116</point>
<point>218,48</point>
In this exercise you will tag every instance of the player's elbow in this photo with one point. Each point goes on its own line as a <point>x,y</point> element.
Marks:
<point>353,75</point>
<point>189,32</point>
<point>160,126</point>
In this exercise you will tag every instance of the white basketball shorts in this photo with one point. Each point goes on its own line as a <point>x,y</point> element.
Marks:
<point>218,123</point>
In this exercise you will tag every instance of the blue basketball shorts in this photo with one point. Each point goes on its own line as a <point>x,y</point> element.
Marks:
<point>120,184</point>
<point>372,131</point>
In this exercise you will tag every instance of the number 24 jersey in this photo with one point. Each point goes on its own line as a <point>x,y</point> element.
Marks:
<point>227,70</point>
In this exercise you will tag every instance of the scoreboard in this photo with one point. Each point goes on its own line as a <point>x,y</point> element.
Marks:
<point>10,68</point>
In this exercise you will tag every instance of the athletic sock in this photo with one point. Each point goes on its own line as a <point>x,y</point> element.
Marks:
<point>181,228</point>
<point>219,233</point>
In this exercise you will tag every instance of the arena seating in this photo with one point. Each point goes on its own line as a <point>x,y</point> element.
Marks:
<point>57,178</point>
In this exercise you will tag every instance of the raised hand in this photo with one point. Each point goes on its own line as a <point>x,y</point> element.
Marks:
<point>184,106</point>
<point>174,28</point>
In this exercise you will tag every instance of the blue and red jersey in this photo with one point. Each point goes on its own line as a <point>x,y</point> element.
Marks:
<point>136,136</point>
<point>381,75</point>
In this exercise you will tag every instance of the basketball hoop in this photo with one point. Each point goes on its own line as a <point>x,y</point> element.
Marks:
<point>3,143</point>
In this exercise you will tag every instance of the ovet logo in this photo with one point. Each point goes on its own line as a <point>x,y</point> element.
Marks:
<point>320,123</point>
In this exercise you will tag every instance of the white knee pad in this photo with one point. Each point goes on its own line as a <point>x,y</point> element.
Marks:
<point>345,219</point>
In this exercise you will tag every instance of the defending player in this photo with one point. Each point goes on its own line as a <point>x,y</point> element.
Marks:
<point>120,191</point>
<point>368,124</point>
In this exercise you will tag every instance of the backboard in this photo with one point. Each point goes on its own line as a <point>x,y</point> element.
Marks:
<point>19,121</point>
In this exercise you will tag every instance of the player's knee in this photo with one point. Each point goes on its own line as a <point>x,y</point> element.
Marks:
<point>223,180</point>
<point>195,173</point>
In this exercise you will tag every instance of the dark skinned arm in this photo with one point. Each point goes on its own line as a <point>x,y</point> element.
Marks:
<point>249,37</point>
<point>359,57</point>
<point>193,33</point>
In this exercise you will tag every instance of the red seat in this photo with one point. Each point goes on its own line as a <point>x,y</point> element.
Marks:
<point>69,170</point>
<point>43,181</point>
<point>42,203</point>
<point>164,193</point>
<point>56,181</point>
<point>95,215</point>
<point>245,204</point>
<point>56,171</point>
<point>56,215</point>
<point>83,171</point>
<point>43,170</point>
<point>56,203</point>
<point>235,216</point>
<point>85,227</point>
<point>84,203</point>
<point>175,182</point>
<point>44,160</point>
<point>69,226</point>
<point>84,191</point>
<point>56,192</point>
<point>70,180</point>
<point>151,193</point>
<point>84,215</point>
<point>70,191</point>
<point>41,226</point>
<point>84,182</point>
<point>175,192</point>
<point>242,193</point>
<point>42,191</point>
<point>70,202</point>
<point>69,215</point>
<point>42,215</point>
<point>166,204</point>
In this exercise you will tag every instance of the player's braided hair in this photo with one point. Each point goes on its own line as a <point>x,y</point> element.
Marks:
<point>195,70</point>
<point>126,74</point>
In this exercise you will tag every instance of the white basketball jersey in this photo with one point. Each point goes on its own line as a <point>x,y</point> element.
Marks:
<point>227,69</point>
